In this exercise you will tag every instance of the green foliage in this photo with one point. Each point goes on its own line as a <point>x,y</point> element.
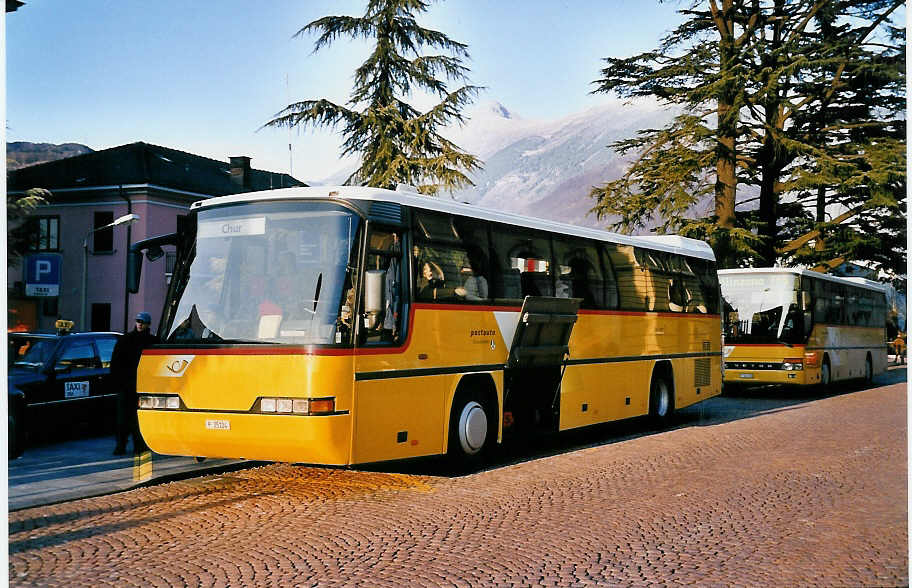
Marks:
<point>796,106</point>
<point>396,142</point>
<point>18,208</point>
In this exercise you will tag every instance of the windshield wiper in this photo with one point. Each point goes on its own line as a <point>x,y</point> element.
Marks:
<point>317,292</point>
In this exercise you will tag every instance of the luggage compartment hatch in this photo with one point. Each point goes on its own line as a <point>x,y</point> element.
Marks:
<point>542,335</point>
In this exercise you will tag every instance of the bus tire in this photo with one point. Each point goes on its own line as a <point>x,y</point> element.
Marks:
<point>471,433</point>
<point>825,374</point>
<point>661,400</point>
<point>869,371</point>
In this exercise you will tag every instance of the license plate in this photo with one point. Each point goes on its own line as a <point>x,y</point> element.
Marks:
<point>746,376</point>
<point>218,425</point>
<point>75,389</point>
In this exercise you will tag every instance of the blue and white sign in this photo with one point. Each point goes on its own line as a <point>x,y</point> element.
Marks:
<point>42,274</point>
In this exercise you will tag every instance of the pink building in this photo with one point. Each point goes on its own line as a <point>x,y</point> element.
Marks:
<point>93,190</point>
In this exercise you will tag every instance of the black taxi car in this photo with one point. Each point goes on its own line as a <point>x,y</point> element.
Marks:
<point>57,380</point>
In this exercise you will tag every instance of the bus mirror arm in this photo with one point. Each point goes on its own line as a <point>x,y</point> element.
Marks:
<point>153,248</point>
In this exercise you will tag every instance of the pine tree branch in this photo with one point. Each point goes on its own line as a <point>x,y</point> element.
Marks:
<point>800,241</point>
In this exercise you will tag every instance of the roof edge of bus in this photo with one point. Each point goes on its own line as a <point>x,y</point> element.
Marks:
<point>669,243</point>
<point>806,272</point>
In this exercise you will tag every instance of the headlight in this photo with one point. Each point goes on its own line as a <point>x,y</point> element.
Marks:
<point>302,406</point>
<point>793,364</point>
<point>150,402</point>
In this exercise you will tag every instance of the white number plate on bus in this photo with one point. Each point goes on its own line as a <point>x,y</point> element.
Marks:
<point>218,425</point>
<point>75,389</point>
<point>746,376</point>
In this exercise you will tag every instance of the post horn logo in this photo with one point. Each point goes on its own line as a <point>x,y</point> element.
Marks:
<point>175,366</point>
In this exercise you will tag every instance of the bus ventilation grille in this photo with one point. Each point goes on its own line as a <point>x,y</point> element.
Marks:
<point>703,368</point>
<point>388,212</point>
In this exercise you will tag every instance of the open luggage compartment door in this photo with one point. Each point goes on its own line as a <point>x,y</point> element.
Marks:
<point>542,335</point>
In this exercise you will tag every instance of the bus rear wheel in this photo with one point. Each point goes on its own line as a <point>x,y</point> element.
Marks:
<point>869,371</point>
<point>471,432</point>
<point>661,401</point>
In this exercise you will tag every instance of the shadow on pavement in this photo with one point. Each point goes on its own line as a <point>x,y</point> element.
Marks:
<point>729,407</point>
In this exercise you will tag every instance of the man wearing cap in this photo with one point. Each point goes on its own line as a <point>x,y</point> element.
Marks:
<point>124,361</point>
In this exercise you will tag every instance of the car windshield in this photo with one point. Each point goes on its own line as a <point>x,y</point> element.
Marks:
<point>268,272</point>
<point>37,353</point>
<point>761,308</point>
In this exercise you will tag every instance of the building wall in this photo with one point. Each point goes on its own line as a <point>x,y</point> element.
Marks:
<point>105,272</point>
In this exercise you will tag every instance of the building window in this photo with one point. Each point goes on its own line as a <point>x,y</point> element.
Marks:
<point>103,239</point>
<point>44,233</point>
<point>101,317</point>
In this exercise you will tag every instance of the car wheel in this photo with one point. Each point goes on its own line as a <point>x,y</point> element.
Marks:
<point>16,430</point>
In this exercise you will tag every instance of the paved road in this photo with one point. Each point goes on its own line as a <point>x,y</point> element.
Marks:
<point>759,489</point>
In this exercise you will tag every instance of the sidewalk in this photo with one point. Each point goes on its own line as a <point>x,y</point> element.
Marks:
<point>81,468</point>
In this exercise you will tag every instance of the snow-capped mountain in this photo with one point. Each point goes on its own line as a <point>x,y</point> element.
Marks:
<point>545,168</point>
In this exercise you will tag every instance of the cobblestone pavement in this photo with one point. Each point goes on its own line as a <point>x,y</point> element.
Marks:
<point>811,494</point>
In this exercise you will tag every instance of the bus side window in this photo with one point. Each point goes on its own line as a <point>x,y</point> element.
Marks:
<point>529,254</point>
<point>631,286</point>
<point>385,253</point>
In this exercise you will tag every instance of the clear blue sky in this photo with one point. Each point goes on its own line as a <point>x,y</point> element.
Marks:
<point>204,75</point>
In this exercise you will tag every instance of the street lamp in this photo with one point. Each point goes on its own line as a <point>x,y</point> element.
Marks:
<point>124,220</point>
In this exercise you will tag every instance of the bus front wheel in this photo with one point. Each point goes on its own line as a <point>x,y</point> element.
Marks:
<point>470,429</point>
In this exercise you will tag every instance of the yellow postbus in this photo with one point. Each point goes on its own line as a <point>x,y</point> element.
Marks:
<point>798,327</point>
<point>350,325</point>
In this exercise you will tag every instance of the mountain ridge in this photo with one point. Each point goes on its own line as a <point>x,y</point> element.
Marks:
<point>21,154</point>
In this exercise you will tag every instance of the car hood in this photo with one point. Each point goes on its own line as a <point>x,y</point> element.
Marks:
<point>21,377</point>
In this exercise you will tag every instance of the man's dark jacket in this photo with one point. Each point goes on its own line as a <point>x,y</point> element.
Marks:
<point>125,358</point>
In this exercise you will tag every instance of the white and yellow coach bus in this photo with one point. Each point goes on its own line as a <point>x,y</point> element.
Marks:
<point>352,325</point>
<point>798,327</point>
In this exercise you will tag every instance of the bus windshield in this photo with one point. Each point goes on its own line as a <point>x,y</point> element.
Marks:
<point>762,308</point>
<point>268,272</point>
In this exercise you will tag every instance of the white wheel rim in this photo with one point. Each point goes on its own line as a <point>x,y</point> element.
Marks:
<point>473,428</point>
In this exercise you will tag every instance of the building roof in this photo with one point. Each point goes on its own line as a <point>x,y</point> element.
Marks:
<point>141,163</point>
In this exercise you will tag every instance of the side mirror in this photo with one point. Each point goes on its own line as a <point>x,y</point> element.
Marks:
<point>806,300</point>
<point>374,297</point>
<point>134,270</point>
<point>154,252</point>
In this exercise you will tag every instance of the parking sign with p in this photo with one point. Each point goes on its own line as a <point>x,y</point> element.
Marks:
<point>42,274</point>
